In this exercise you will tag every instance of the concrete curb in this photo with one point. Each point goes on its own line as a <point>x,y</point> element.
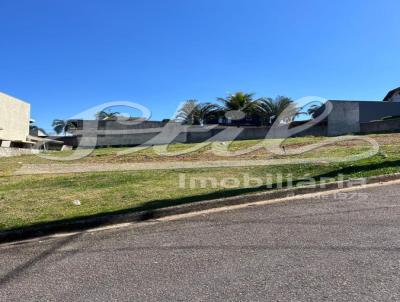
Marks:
<point>104,220</point>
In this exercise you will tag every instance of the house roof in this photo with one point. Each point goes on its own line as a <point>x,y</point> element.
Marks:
<point>391,93</point>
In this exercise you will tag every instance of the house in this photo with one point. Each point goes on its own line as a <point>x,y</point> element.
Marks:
<point>18,132</point>
<point>393,96</point>
<point>14,122</point>
<point>365,116</point>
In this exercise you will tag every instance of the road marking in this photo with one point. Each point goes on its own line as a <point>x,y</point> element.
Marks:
<point>202,212</point>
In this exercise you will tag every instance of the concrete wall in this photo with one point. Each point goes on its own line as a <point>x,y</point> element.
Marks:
<point>9,152</point>
<point>317,130</point>
<point>380,126</point>
<point>111,125</point>
<point>14,118</point>
<point>370,111</point>
<point>344,118</point>
<point>347,116</point>
<point>195,134</point>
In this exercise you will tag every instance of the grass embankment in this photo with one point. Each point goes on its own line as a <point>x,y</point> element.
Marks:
<point>35,199</point>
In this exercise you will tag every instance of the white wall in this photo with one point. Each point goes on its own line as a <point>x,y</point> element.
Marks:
<point>14,118</point>
<point>9,152</point>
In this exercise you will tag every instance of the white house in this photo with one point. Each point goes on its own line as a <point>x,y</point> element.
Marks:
<point>14,122</point>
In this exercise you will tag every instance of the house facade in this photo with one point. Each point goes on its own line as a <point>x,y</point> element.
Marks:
<point>14,122</point>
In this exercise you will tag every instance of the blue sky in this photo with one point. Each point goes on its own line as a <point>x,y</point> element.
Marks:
<point>66,56</point>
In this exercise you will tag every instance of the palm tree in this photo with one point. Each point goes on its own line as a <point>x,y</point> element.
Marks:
<point>35,130</point>
<point>63,126</point>
<point>188,113</point>
<point>316,110</point>
<point>194,113</point>
<point>205,111</point>
<point>106,115</point>
<point>270,108</point>
<point>241,103</point>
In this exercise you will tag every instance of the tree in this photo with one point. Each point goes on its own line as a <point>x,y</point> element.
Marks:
<point>270,109</point>
<point>188,113</point>
<point>63,126</point>
<point>316,110</point>
<point>239,101</point>
<point>240,104</point>
<point>194,113</point>
<point>205,111</point>
<point>107,115</point>
<point>35,130</point>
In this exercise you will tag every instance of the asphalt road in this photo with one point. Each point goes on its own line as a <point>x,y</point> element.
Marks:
<point>339,248</point>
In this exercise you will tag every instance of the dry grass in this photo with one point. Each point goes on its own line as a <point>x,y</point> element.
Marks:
<point>34,199</point>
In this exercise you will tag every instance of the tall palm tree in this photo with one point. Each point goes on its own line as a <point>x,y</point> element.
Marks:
<point>63,126</point>
<point>188,113</point>
<point>270,109</point>
<point>205,111</point>
<point>194,113</point>
<point>107,115</point>
<point>240,102</point>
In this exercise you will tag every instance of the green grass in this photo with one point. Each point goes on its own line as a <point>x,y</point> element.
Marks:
<point>36,199</point>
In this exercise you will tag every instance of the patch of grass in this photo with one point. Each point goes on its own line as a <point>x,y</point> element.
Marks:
<point>35,199</point>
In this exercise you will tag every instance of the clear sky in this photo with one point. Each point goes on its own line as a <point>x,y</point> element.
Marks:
<point>68,55</point>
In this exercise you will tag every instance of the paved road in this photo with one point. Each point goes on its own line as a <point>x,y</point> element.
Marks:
<point>342,248</point>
